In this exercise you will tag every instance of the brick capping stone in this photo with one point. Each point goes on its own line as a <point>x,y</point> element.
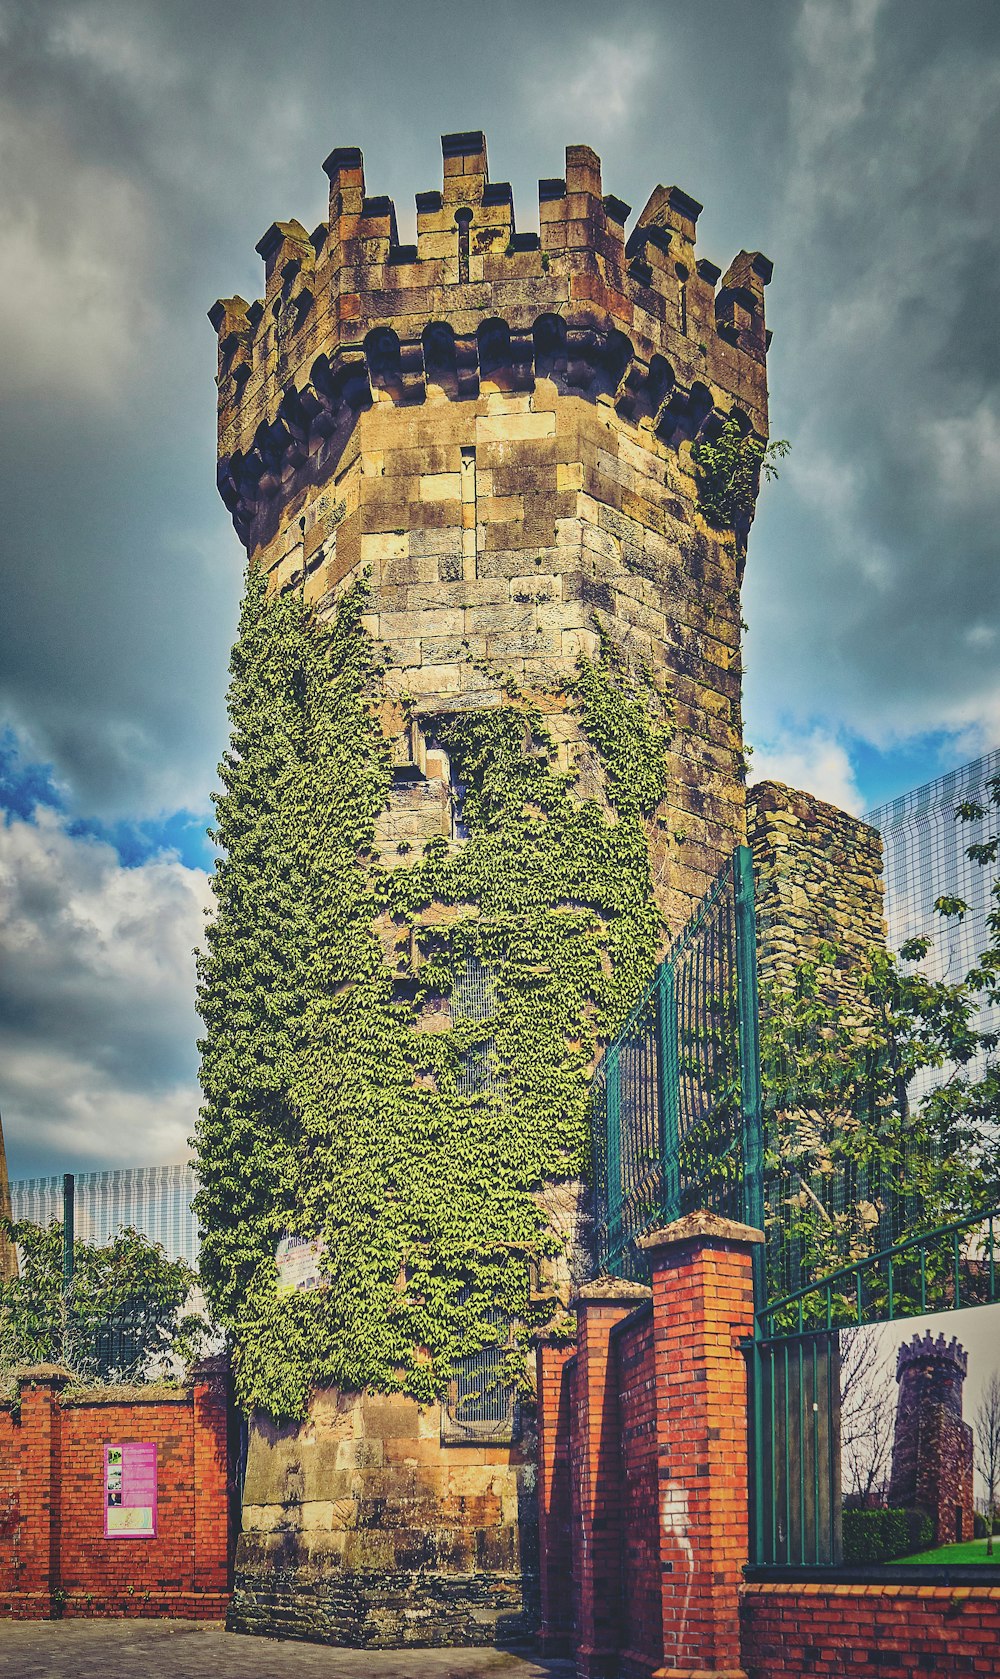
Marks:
<point>612,1291</point>
<point>699,1226</point>
<point>43,1375</point>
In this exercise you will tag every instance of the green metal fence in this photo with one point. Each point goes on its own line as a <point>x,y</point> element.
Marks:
<point>675,1100</point>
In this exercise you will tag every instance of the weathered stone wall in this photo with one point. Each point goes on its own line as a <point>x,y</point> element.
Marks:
<point>362,1528</point>
<point>818,875</point>
<point>497,429</point>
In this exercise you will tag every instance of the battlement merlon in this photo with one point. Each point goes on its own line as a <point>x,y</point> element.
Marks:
<point>348,310</point>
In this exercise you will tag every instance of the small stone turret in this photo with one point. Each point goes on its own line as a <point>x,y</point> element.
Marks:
<point>932,1446</point>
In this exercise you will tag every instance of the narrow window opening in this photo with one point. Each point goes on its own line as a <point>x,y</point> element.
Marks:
<point>470,515</point>
<point>474,998</point>
<point>482,1403</point>
<point>463,218</point>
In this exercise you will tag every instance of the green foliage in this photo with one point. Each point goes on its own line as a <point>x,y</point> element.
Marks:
<point>854,1166</point>
<point>728,469</point>
<point>124,1310</point>
<point>327,1109</point>
<point>874,1536</point>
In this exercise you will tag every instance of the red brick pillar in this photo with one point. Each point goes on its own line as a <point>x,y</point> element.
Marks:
<point>211,1476</point>
<point>555,1550</point>
<point>41,1487</point>
<point>596,1476</point>
<point>702,1309</point>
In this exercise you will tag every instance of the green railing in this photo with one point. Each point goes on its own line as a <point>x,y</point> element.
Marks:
<point>940,1270</point>
<point>675,1099</point>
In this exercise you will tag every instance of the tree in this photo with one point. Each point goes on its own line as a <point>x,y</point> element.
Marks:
<point>855,1165</point>
<point>123,1315</point>
<point>867,1413</point>
<point>987,1436</point>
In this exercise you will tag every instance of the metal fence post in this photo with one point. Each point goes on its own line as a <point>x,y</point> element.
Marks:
<point>612,1091</point>
<point>668,1091</point>
<point>751,1099</point>
<point>69,1191</point>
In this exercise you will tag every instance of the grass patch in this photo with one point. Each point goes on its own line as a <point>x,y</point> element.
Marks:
<point>972,1550</point>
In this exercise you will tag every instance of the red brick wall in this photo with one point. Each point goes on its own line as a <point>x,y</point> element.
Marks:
<point>641,1630</point>
<point>10,1502</point>
<point>555,1549</point>
<point>654,1434</point>
<point>595,1465</point>
<point>54,1557</point>
<point>869,1632</point>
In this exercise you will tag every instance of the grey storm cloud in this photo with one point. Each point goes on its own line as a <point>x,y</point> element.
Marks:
<point>874,591</point>
<point>145,145</point>
<point>145,148</point>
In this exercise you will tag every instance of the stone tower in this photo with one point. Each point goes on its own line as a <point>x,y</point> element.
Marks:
<point>493,431</point>
<point>498,425</point>
<point>932,1446</point>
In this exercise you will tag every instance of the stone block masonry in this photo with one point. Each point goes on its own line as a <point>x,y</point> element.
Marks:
<point>818,875</point>
<point>496,428</point>
<point>54,1557</point>
<point>364,1529</point>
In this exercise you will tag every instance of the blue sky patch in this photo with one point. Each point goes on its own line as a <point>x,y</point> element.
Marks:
<point>25,787</point>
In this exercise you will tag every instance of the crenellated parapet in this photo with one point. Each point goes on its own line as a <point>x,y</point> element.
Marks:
<point>924,1347</point>
<point>351,316</point>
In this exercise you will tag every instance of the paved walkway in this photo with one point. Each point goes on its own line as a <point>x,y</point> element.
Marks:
<point>192,1650</point>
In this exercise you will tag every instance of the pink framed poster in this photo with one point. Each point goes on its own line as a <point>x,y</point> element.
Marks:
<point>130,1490</point>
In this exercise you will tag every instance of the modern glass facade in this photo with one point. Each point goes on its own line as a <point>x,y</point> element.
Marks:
<point>925,859</point>
<point>153,1199</point>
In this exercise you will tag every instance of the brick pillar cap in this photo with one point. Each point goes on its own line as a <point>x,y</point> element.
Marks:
<point>44,1375</point>
<point>700,1227</point>
<point>612,1291</point>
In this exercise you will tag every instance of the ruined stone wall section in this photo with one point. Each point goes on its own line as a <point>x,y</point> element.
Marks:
<point>818,875</point>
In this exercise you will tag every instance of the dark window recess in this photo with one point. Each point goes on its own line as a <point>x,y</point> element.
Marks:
<point>482,1404</point>
<point>473,998</point>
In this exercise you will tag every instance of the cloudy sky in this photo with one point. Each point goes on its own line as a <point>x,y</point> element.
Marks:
<point>144,148</point>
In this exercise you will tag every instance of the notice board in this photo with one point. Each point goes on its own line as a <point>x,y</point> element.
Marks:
<point>130,1490</point>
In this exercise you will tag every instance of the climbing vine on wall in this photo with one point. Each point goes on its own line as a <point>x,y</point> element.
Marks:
<point>728,469</point>
<point>329,1107</point>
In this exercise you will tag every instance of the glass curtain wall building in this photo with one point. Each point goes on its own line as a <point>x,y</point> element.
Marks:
<point>155,1200</point>
<point>925,859</point>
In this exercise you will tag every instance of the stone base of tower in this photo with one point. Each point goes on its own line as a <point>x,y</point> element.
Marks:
<point>362,1527</point>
